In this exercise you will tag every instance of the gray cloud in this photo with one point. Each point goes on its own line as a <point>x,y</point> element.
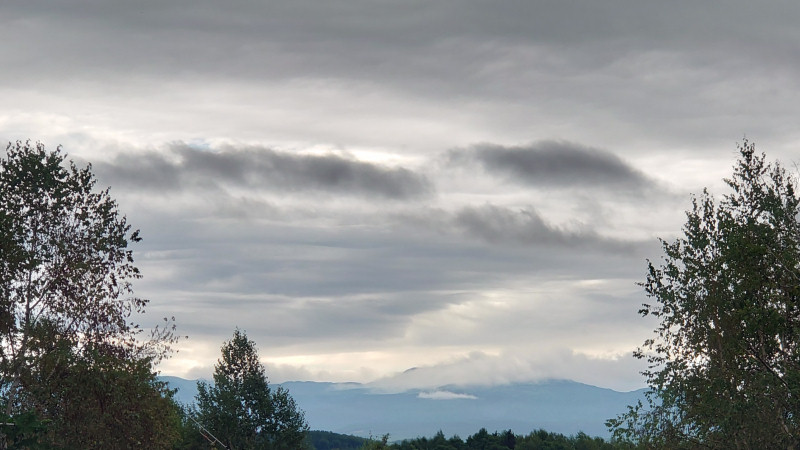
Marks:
<point>261,168</point>
<point>368,279</point>
<point>676,73</point>
<point>333,36</point>
<point>286,321</point>
<point>504,229</point>
<point>480,369</point>
<point>372,275</point>
<point>556,164</point>
<point>524,226</point>
<point>668,86</point>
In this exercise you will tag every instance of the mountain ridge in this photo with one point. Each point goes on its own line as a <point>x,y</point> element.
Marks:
<point>561,406</point>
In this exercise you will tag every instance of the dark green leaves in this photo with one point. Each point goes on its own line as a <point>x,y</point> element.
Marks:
<point>241,409</point>
<point>68,348</point>
<point>725,359</point>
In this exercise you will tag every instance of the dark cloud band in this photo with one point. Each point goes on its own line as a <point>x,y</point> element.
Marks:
<point>555,164</point>
<point>184,166</point>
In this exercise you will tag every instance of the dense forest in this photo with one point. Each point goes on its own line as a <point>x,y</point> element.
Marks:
<point>327,440</point>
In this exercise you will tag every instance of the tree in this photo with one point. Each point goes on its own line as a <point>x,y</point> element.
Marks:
<point>377,444</point>
<point>724,365</point>
<point>104,401</point>
<point>241,410</point>
<point>66,298</point>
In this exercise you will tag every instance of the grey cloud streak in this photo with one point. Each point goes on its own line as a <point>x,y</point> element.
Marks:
<point>435,47</point>
<point>262,168</point>
<point>556,164</point>
<point>340,33</point>
<point>524,226</point>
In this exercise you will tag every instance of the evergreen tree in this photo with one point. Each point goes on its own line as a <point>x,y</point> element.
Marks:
<point>241,410</point>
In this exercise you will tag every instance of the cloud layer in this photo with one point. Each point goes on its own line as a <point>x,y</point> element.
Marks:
<point>557,164</point>
<point>315,271</point>
<point>184,167</point>
<point>371,186</point>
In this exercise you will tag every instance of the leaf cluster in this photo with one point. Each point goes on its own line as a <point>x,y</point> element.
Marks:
<point>71,353</point>
<point>724,365</point>
<point>241,410</point>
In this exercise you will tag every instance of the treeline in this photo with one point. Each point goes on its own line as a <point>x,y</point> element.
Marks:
<point>328,440</point>
<point>483,440</point>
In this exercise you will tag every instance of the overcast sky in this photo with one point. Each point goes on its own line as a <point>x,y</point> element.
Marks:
<point>365,186</point>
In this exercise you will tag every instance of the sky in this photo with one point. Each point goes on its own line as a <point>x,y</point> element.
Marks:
<point>467,188</point>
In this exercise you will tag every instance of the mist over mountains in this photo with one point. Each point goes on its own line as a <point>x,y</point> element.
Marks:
<point>560,406</point>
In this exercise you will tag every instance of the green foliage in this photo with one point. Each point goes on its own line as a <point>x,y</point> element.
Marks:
<point>483,440</point>
<point>724,366</point>
<point>241,410</point>
<point>326,440</point>
<point>69,351</point>
<point>377,444</point>
<point>22,431</point>
<point>106,402</point>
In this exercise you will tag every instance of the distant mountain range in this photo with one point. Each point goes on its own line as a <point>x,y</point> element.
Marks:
<point>559,406</point>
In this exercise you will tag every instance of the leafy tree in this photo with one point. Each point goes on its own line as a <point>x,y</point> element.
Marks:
<point>508,439</point>
<point>482,440</point>
<point>375,444</point>
<point>103,401</point>
<point>240,408</point>
<point>65,291</point>
<point>23,431</point>
<point>724,365</point>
